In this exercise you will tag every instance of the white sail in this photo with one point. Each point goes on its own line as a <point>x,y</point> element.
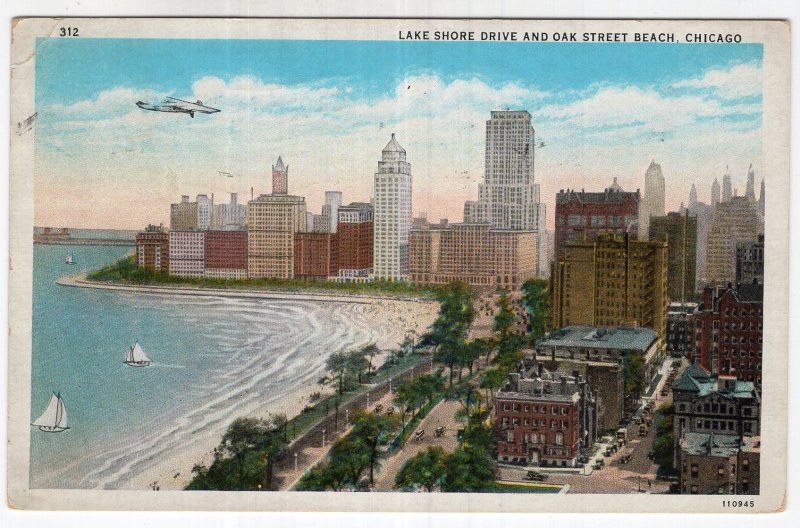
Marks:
<point>61,415</point>
<point>138,355</point>
<point>49,417</point>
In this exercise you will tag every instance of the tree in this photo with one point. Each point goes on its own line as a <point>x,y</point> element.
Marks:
<point>242,436</point>
<point>663,448</point>
<point>352,456</point>
<point>370,351</point>
<point>371,429</point>
<point>449,330</point>
<point>337,365</point>
<point>491,380</point>
<point>426,468</point>
<point>504,319</point>
<point>537,304</point>
<point>357,363</point>
<point>409,395</point>
<point>474,349</point>
<point>469,469</point>
<point>633,376</point>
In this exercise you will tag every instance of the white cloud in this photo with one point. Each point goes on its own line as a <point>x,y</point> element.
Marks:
<point>332,138</point>
<point>737,81</point>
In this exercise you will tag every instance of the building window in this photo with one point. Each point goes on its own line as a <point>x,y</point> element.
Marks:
<point>559,439</point>
<point>694,469</point>
<point>746,464</point>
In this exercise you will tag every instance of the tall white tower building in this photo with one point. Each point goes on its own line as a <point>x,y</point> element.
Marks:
<point>715,193</point>
<point>392,195</point>
<point>508,198</point>
<point>652,203</point>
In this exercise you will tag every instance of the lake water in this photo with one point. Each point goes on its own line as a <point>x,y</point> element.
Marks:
<point>213,358</point>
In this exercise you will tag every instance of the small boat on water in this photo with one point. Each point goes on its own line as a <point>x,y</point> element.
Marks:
<point>70,259</point>
<point>135,356</point>
<point>54,417</point>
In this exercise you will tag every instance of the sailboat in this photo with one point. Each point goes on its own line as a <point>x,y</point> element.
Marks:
<point>70,259</point>
<point>54,417</point>
<point>135,356</point>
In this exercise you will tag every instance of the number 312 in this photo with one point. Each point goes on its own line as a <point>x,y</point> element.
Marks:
<point>69,32</point>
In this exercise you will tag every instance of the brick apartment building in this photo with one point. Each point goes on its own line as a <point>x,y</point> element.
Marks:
<point>187,253</point>
<point>718,464</point>
<point>544,418</point>
<point>152,249</point>
<point>612,281</point>
<point>315,255</point>
<point>226,254</point>
<point>581,216</point>
<point>726,334</point>
<point>476,254</point>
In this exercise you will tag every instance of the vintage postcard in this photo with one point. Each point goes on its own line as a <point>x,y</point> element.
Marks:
<point>469,265</point>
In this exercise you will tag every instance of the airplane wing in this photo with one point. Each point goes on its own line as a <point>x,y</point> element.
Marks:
<point>197,106</point>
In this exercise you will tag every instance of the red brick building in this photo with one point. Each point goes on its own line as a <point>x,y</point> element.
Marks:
<point>726,334</point>
<point>152,249</point>
<point>226,254</point>
<point>584,215</point>
<point>355,245</point>
<point>543,418</point>
<point>315,255</point>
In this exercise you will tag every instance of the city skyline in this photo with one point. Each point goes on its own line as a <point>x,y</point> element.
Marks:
<point>603,120</point>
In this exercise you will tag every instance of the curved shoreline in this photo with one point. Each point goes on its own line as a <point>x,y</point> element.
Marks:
<point>80,281</point>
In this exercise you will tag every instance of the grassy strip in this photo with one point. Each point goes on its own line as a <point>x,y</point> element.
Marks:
<point>412,424</point>
<point>304,421</point>
<point>126,271</point>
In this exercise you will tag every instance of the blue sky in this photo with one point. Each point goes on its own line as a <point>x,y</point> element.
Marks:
<point>328,108</point>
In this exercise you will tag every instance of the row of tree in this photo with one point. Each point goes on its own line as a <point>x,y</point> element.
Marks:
<point>469,468</point>
<point>352,456</point>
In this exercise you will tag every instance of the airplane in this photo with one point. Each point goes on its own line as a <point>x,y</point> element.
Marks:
<point>171,104</point>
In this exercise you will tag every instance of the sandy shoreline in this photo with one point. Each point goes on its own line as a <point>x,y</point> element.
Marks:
<point>80,281</point>
<point>396,316</point>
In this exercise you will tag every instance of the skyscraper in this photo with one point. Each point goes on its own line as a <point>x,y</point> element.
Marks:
<point>392,213</point>
<point>735,221</point>
<point>679,231</point>
<point>727,191</point>
<point>653,199</point>
<point>280,177</point>
<point>508,198</point>
<point>761,200</point>
<point>205,206</point>
<point>692,196</point>
<point>333,200</point>
<point>714,194</point>
<point>750,192</point>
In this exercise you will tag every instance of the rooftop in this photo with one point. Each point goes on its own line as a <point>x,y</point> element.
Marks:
<point>610,195</point>
<point>617,338</point>
<point>710,444</point>
<point>697,379</point>
<point>539,383</point>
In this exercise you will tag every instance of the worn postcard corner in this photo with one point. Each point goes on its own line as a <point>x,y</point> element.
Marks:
<point>471,265</point>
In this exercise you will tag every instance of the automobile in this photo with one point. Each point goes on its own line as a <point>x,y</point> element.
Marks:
<point>378,408</point>
<point>643,430</point>
<point>419,434</point>
<point>651,454</point>
<point>390,411</point>
<point>609,451</point>
<point>626,457</point>
<point>535,475</point>
<point>598,464</point>
<point>439,431</point>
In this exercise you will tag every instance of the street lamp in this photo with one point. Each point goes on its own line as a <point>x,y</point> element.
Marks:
<point>323,438</point>
<point>295,461</point>
<point>347,416</point>
<point>367,401</point>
